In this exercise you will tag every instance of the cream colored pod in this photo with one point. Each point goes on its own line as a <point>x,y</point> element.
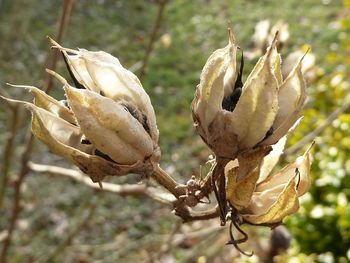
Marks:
<point>109,125</point>
<point>242,121</point>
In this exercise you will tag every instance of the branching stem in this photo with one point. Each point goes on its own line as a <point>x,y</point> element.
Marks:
<point>165,180</point>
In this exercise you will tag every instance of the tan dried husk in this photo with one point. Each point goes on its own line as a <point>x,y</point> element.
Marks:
<point>124,145</point>
<point>46,127</point>
<point>103,74</point>
<point>267,103</point>
<point>271,199</point>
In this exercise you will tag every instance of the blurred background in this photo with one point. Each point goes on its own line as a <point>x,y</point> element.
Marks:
<point>45,218</point>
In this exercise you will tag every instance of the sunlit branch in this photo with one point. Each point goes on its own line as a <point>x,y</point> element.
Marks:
<point>122,190</point>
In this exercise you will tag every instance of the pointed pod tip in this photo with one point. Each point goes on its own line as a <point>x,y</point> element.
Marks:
<point>8,100</point>
<point>273,45</point>
<point>54,43</point>
<point>304,55</point>
<point>275,40</point>
<point>4,98</point>
<point>27,87</point>
<point>57,76</point>
<point>310,147</point>
<point>231,36</point>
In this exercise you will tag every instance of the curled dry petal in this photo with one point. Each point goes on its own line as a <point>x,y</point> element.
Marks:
<point>242,175</point>
<point>250,159</point>
<point>239,193</point>
<point>273,205</point>
<point>270,160</point>
<point>301,166</point>
<point>277,196</point>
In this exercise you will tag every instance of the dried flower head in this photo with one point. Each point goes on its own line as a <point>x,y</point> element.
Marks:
<point>107,126</point>
<point>235,118</point>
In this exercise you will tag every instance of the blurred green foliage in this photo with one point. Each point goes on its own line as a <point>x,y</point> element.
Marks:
<point>323,223</point>
<point>189,32</point>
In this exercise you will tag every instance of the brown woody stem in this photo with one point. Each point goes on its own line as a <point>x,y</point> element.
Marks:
<point>189,215</point>
<point>8,152</point>
<point>152,38</point>
<point>165,180</point>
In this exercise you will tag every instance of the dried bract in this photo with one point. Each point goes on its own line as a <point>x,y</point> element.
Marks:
<point>264,198</point>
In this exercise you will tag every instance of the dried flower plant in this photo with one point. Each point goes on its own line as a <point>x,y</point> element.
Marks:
<point>107,126</point>
<point>231,116</point>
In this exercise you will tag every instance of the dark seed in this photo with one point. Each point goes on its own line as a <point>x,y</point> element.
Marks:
<point>76,82</point>
<point>145,124</point>
<point>104,156</point>
<point>133,111</point>
<point>269,132</point>
<point>85,141</point>
<point>142,118</point>
<point>229,102</point>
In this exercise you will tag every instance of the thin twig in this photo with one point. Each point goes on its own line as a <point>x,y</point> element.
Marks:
<point>8,151</point>
<point>122,190</point>
<point>152,38</point>
<point>312,135</point>
<point>52,63</point>
<point>188,214</point>
<point>66,12</point>
<point>17,198</point>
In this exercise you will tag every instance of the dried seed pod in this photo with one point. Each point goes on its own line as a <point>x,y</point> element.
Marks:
<point>109,125</point>
<point>264,108</point>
